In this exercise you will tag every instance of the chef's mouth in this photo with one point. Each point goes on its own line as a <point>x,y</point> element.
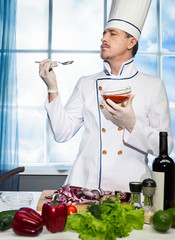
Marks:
<point>103,46</point>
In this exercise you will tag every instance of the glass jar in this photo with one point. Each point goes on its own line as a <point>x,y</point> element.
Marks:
<point>136,188</point>
<point>148,187</point>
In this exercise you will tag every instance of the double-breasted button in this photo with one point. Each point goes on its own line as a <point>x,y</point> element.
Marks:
<point>104,152</point>
<point>101,106</point>
<point>103,130</point>
<point>100,88</point>
<point>120,128</point>
<point>120,152</point>
<point>122,104</point>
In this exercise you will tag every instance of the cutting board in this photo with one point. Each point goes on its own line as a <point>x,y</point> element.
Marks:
<point>79,207</point>
<point>45,193</point>
<point>42,198</point>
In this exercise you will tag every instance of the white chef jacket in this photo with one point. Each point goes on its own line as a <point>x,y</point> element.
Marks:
<point>109,156</point>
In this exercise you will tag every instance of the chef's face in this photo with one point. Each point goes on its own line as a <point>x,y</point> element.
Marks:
<point>115,45</point>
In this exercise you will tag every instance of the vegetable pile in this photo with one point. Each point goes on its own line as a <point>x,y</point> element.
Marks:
<point>75,195</point>
<point>106,220</point>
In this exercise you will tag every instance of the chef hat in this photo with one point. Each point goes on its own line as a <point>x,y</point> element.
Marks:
<point>128,15</point>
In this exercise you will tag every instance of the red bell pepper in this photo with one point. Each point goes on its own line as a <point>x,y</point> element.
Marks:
<point>27,222</point>
<point>54,215</point>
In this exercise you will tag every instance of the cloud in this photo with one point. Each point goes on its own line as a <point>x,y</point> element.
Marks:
<point>152,47</point>
<point>171,12</point>
<point>172,105</point>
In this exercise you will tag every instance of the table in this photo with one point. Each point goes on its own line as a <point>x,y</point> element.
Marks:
<point>148,233</point>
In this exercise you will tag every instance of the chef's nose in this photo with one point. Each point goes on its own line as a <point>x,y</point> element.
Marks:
<point>105,37</point>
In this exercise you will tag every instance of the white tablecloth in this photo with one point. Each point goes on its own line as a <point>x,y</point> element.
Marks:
<point>148,233</point>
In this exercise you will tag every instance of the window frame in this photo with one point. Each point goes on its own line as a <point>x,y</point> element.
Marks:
<point>159,54</point>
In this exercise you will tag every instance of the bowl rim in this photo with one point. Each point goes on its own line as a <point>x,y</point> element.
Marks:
<point>122,91</point>
<point>26,197</point>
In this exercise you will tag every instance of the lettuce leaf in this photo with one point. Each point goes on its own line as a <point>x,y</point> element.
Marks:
<point>117,220</point>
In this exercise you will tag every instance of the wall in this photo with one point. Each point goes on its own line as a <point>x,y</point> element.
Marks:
<point>40,182</point>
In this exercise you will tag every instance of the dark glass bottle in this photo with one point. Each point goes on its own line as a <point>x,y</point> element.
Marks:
<point>163,173</point>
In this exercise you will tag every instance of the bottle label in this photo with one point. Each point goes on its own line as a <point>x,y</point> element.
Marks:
<point>159,194</point>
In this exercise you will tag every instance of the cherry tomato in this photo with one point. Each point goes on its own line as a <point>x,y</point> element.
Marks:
<point>71,209</point>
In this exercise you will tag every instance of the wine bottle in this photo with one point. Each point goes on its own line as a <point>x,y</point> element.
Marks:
<point>163,173</point>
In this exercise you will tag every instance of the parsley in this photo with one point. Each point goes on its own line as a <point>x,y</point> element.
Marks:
<point>95,210</point>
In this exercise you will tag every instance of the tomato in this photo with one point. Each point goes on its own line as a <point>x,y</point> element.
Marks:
<point>71,209</point>
<point>162,220</point>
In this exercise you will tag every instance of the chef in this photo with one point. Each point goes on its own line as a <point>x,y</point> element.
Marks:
<point>117,137</point>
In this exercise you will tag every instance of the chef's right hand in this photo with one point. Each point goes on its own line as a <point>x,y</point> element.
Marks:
<point>47,74</point>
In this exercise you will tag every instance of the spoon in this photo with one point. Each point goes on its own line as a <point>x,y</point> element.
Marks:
<point>63,63</point>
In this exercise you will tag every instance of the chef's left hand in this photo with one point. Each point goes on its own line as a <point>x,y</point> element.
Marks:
<point>124,116</point>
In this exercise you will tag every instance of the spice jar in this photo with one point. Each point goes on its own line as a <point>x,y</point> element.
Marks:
<point>135,188</point>
<point>148,187</point>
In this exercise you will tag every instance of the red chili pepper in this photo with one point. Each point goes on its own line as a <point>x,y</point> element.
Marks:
<point>54,215</point>
<point>27,222</point>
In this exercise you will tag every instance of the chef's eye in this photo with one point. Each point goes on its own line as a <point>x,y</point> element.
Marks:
<point>104,33</point>
<point>113,33</point>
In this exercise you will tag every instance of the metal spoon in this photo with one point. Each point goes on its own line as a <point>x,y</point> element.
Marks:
<point>63,63</point>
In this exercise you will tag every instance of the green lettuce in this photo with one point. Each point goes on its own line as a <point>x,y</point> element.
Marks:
<point>116,220</point>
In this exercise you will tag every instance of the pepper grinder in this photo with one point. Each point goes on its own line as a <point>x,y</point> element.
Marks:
<point>135,188</point>
<point>148,187</point>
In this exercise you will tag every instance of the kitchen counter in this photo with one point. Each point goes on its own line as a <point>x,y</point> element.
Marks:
<point>148,233</point>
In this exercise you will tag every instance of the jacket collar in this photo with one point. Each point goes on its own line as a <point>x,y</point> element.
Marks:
<point>127,69</point>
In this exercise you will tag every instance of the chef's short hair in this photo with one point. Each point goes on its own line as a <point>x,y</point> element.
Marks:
<point>135,48</point>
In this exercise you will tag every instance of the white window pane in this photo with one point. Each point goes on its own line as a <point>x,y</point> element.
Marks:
<point>67,76</point>
<point>109,2</point>
<point>77,24</point>
<point>168,65</point>
<point>168,29</point>
<point>146,64</point>
<point>148,40</point>
<point>172,114</point>
<point>32,24</point>
<point>64,154</point>
<point>32,125</point>
<point>31,88</point>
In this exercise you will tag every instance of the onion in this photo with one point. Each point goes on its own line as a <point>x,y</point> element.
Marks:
<point>88,194</point>
<point>123,195</point>
<point>102,192</point>
<point>77,195</point>
<point>96,193</point>
<point>88,201</point>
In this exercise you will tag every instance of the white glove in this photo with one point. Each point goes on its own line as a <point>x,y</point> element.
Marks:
<point>47,74</point>
<point>124,116</point>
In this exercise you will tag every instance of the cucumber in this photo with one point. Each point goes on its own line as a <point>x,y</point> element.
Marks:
<point>6,219</point>
<point>6,223</point>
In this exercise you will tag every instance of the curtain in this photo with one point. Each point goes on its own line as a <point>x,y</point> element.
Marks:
<point>8,93</point>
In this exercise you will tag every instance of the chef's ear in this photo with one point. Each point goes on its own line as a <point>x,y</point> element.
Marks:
<point>132,41</point>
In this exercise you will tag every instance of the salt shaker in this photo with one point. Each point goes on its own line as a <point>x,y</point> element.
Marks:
<point>148,187</point>
<point>135,188</point>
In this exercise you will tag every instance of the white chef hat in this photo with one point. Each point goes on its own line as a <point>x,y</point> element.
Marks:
<point>128,15</point>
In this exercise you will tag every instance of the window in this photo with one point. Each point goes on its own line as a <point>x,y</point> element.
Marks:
<point>72,30</point>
